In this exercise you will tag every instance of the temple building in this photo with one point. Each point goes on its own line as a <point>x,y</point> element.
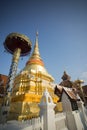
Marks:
<point>76,87</point>
<point>3,81</point>
<point>84,88</point>
<point>29,86</point>
<point>66,82</point>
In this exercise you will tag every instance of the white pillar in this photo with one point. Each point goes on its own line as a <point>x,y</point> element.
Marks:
<point>47,112</point>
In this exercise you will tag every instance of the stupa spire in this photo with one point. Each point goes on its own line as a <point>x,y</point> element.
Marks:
<point>35,57</point>
<point>36,48</point>
<point>37,37</point>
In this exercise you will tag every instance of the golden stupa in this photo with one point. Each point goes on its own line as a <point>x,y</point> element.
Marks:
<point>29,86</point>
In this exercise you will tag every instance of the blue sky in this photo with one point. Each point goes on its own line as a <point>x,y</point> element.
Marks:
<point>62,27</point>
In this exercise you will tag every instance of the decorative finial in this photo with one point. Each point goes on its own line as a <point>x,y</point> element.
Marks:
<point>36,48</point>
<point>37,37</point>
<point>37,33</point>
<point>65,76</point>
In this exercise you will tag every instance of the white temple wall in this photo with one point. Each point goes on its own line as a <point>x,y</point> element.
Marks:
<point>78,122</point>
<point>48,120</point>
<point>60,121</point>
<point>71,121</point>
<point>66,103</point>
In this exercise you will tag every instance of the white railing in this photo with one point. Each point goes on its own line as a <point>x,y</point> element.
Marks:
<point>60,121</point>
<point>33,124</point>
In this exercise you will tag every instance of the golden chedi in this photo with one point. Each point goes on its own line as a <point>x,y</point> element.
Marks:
<point>29,86</point>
